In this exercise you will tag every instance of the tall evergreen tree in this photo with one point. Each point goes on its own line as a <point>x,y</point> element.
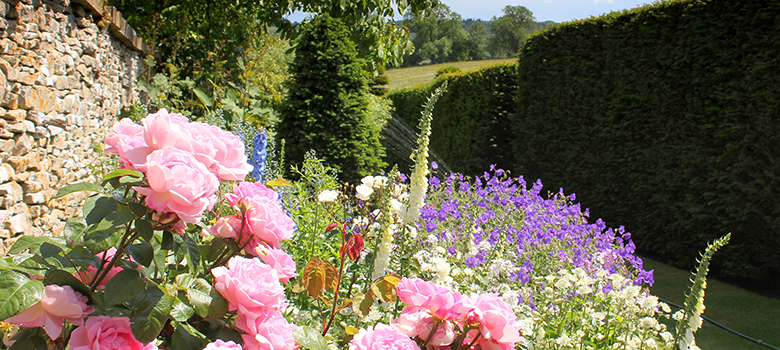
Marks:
<point>326,106</point>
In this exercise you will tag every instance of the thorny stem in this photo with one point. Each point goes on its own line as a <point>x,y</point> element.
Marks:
<point>430,335</point>
<point>338,283</point>
<point>479,334</point>
<point>220,260</point>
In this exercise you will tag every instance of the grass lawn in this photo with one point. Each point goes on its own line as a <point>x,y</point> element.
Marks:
<point>745,312</point>
<point>413,76</point>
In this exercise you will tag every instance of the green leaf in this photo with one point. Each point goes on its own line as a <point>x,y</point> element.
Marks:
<point>309,338</point>
<point>97,208</point>
<point>124,286</point>
<point>130,180</point>
<point>30,342</point>
<point>121,172</point>
<point>199,296</point>
<point>185,337</point>
<point>218,306</point>
<point>17,293</point>
<point>137,208</point>
<point>167,241</point>
<point>64,278</point>
<point>204,99</point>
<point>101,241</point>
<point>180,311</point>
<point>142,253</point>
<point>79,187</point>
<point>154,308</point>
<point>193,253</point>
<point>26,242</point>
<point>49,250</point>
<point>115,219</point>
<point>74,229</point>
<point>145,229</point>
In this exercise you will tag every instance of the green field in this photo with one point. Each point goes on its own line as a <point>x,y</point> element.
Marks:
<point>413,76</point>
<point>743,311</point>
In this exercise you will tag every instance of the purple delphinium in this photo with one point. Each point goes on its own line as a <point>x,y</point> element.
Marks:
<point>498,213</point>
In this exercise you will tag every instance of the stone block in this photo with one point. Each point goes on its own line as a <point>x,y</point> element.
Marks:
<point>35,198</point>
<point>41,98</point>
<point>15,116</point>
<point>35,117</point>
<point>17,128</point>
<point>27,78</point>
<point>24,145</point>
<point>54,130</point>
<point>40,133</point>
<point>33,161</point>
<point>6,173</point>
<point>11,73</point>
<point>13,191</point>
<point>18,163</point>
<point>11,101</point>
<point>18,223</point>
<point>24,13</point>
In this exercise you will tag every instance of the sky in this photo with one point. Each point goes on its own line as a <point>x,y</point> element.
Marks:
<point>543,10</point>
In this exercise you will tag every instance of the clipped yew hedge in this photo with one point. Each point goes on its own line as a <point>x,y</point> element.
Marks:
<point>665,119</point>
<point>470,128</point>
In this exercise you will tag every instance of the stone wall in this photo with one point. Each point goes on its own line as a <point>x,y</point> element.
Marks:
<point>67,68</point>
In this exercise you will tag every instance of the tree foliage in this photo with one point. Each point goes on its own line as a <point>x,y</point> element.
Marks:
<point>207,33</point>
<point>327,108</point>
<point>511,29</point>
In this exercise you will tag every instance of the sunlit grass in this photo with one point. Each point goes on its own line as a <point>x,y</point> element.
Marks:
<point>413,76</point>
<point>743,311</point>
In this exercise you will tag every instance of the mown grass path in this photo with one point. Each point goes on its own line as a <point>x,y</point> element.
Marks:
<point>413,76</point>
<point>743,311</point>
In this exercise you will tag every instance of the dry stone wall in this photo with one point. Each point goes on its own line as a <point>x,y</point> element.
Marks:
<point>66,70</point>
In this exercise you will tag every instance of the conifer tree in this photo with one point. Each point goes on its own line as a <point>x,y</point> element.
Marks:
<point>326,105</point>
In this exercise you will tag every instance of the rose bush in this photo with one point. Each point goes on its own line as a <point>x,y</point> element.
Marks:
<point>163,259</point>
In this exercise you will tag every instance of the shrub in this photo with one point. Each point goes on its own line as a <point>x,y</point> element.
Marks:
<point>447,70</point>
<point>326,108</point>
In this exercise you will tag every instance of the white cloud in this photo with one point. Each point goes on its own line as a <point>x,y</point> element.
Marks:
<point>604,1</point>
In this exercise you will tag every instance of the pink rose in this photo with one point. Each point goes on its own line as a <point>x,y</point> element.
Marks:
<point>219,150</point>
<point>219,344</point>
<point>264,217</point>
<point>280,261</point>
<point>497,321</point>
<point>58,303</point>
<point>249,286</point>
<point>418,322</point>
<point>256,191</point>
<point>415,291</point>
<point>179,184</point>
<point>125,136</point>
<point>86,277</point>
<point>269,331</point>
<point>226,227</point>
<point>441,302</point>
<point>105,333</point>
<point>163,129</point>
<point>382,337</point>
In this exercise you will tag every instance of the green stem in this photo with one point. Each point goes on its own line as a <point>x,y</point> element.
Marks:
<point>430,336</point>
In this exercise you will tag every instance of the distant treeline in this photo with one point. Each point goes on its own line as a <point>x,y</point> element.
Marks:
<point>443,36</point>
<point>665,119</point>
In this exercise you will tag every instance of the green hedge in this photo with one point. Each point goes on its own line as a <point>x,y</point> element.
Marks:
<point>665,119</point>
<point>470,128</point>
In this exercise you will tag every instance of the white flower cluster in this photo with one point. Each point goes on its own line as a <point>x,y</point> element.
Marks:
<point>577,309</point>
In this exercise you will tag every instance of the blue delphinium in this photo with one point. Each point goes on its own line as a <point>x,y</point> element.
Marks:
<point>259,154</point>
